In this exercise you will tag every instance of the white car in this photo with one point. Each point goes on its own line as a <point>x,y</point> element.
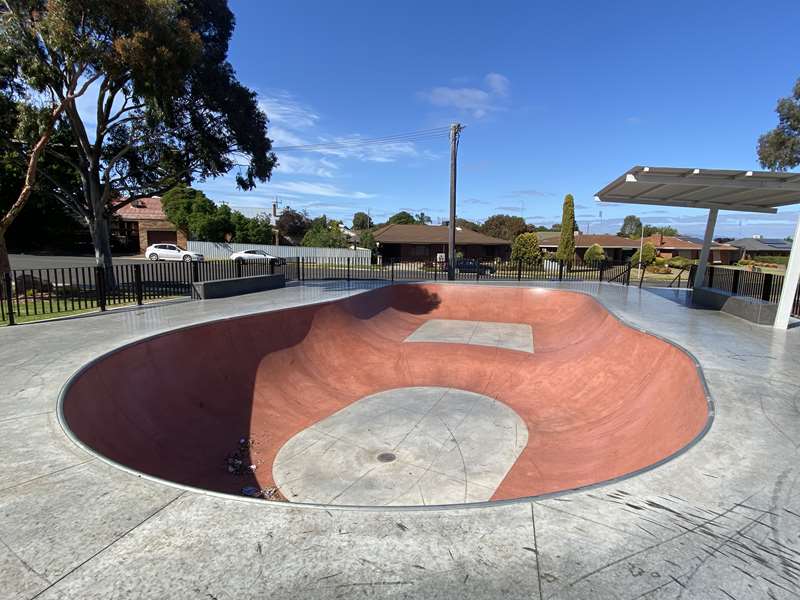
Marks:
<point>246,256</point>
<point>171,252</point>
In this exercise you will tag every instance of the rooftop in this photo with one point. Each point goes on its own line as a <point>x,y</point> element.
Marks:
<point>144,209</point>
<point>607,240</point>
<point>762,245</point>
<point>432,234</point>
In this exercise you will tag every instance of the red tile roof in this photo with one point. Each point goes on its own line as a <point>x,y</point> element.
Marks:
<point>606,240</point>
<point>432,234</point>
<point>144,209</point>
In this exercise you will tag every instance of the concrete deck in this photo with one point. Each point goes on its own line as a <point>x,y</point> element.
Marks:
<point>721,520</point>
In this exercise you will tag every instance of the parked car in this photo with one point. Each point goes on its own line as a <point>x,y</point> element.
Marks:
<point>171,252</point>
<point>472,265</point>
<point>246,256</point>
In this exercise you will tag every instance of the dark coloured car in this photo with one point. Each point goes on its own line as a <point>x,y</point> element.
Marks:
<point>471,265</point>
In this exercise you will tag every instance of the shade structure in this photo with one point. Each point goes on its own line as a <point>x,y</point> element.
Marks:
<point>749,191</point>
<point>714,189</point>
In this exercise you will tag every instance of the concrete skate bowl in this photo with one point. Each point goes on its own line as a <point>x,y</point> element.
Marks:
<point>328,395</point>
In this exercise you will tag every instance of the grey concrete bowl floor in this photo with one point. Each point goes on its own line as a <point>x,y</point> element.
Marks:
<point>721,520</point>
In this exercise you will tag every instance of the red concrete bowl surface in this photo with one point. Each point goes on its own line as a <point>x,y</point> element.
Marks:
<point>600,399</point>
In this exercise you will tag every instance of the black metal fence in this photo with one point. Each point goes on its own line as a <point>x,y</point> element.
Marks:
<point>753,284</point>
<point>33,294</point>
<point>465,270</point>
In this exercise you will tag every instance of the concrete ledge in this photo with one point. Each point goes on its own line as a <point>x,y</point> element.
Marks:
<point>223,288</point>
<point>750,309</point>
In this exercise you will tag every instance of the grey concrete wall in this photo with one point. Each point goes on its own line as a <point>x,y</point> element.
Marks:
<point>751,309</point>
<point>223,288</point>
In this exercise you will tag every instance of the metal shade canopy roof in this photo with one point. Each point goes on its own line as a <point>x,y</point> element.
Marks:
<point>750,191</point>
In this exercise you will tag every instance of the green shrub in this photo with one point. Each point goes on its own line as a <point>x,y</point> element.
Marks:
<point>648,255</point>
<point>660,262</point>
<point>779,260</point>
<point>526,248</point>
<point>679,262</point>
<point>594,253</point>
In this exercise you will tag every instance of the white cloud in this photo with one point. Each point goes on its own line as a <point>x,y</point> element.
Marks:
<point>293,123</point>
<point>348,148</point>
<point>474,101</point>
<point>292,164</point>
<point>285,110</point>
<point>310,188</point>
<point>498,84</point>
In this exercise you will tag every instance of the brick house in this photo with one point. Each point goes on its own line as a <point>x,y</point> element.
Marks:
<point>143,222</point>
<point>426,242</point>
<point>620,248</point>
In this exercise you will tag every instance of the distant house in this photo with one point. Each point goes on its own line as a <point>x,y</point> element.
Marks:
<point>620,248</point>
<point>757,246</point>
<point>425,242</point>
<point>143,222</point>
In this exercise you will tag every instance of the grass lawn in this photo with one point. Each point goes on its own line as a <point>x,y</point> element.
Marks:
<point>778,271</point>
<point>43,312</point>
<point>661,279</point>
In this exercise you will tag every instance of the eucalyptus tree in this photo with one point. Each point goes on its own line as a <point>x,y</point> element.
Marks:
<point>160,102</point>
<point>779,149</point>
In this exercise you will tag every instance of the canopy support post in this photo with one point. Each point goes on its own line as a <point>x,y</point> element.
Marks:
<point>790,282</point>
<point>700,274</point>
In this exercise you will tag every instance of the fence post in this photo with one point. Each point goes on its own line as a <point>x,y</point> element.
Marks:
<point>602,268</point>
<point>735,282</point>
<point>137,284</point>
<point>9,301</point>
<point>348,269</point>
<point>436,270</point>
<point>561,270</point>
<point>195,271</point>
<point>519,270</point>
<point>628,274</point>
<point>272,267</point>
<point>238,264</point>
<point>302,268</point>
<point>692,271</point>
<point>392,263</point>
<point>766,291</point>
<point>100,287</point>
<point>710,271</point>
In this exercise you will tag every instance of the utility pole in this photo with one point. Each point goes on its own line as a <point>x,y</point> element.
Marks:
<point>455,132</point>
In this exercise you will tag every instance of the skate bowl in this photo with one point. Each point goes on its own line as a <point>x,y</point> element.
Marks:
<point>404,395</point>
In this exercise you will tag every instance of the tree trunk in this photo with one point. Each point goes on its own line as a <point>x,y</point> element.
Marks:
<point>101,239</point>
<point>5,264</point>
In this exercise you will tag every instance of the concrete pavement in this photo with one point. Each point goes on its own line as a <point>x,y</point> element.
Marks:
<point>721,520</point>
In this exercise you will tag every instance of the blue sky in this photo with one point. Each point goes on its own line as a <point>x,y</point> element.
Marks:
<point>557,97</point>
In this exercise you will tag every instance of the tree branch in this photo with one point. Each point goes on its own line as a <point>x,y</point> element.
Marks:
<point>30,174</point>
<point>63,157</point>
